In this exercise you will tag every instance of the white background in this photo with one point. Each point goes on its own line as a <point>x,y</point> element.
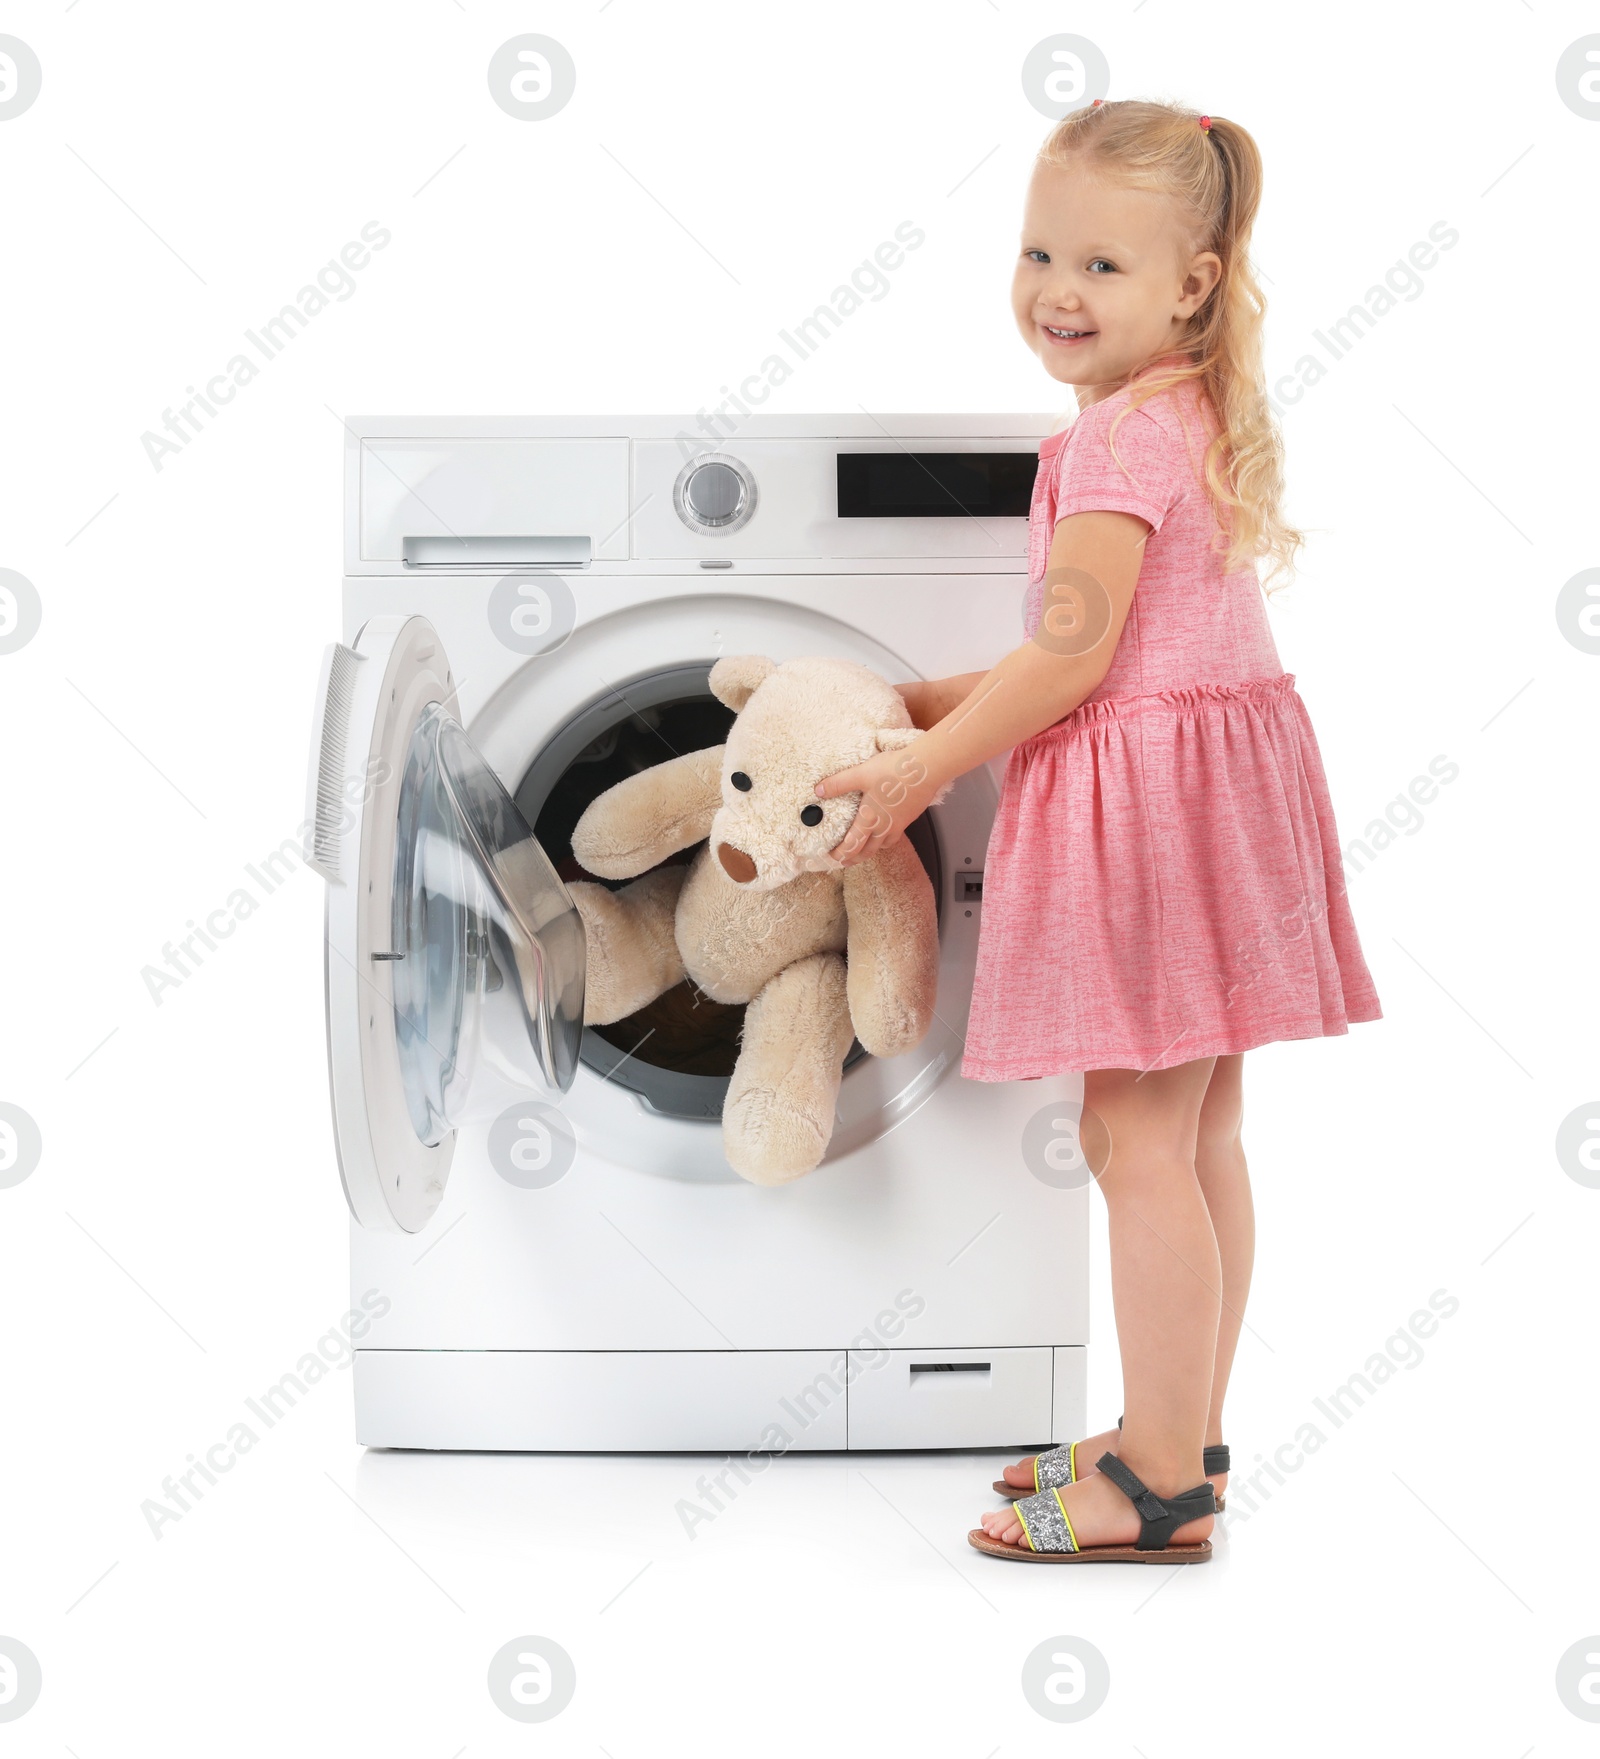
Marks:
<point>720,171</point>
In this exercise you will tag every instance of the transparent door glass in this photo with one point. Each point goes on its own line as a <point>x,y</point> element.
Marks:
<point>488,950</point>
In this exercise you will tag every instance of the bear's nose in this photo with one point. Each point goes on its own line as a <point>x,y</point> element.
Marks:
<point>735,863</point>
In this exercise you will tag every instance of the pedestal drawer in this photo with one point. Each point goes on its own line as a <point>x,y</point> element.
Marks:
<point>951,1398</point>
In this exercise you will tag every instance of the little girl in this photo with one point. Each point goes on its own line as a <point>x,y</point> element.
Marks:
<point>1163,888</point>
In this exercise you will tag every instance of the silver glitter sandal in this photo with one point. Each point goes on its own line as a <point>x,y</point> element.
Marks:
<point>1048,1529</point>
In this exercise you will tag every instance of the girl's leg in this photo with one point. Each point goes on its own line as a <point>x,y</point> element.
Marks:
<point>1219,1165</point>
<point>1165,1281</point>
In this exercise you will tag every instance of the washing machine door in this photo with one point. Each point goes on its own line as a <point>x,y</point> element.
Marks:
<point>454,954</point>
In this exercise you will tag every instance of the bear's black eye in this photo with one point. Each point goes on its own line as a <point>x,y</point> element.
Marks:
<point>741,781</point>
<point>811,815</point>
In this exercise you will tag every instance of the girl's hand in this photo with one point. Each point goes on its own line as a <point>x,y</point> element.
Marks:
<point>929,700</point>
<point>923,702</point>
<point>896,788</point>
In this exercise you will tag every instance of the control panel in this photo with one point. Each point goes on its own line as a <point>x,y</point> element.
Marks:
<point>581,492</point>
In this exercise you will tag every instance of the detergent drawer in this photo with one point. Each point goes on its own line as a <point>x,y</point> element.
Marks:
<point>600,1401</point>
<point>952,1398</point>
<point>569,495</point>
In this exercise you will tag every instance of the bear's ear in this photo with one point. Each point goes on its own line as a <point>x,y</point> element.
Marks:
<point>896,738</point>
<point>734,679</point>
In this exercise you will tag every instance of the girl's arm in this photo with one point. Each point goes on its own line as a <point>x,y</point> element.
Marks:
<point>1088,589</point>
<point>1089,584</point>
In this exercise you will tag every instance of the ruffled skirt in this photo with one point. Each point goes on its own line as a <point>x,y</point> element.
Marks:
<point>1163,883</point>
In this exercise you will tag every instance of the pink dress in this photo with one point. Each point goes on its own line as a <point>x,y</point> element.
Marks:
<point>1163,880</point>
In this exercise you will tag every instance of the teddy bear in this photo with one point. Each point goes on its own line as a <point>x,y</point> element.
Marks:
<point>763,914</point>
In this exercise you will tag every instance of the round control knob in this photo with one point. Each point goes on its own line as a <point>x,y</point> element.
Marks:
<point>715,495</point>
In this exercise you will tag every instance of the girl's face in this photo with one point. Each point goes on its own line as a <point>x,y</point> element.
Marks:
<point>1110,264</point>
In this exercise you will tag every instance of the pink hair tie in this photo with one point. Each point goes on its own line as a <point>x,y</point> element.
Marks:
<point>1205,123</point>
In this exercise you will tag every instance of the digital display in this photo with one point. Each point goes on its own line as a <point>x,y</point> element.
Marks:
<point>936,485</point>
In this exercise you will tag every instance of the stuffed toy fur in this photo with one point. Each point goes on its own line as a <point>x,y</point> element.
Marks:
<point>762,914</point>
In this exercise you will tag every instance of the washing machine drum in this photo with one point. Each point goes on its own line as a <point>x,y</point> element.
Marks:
<point>454,953</point>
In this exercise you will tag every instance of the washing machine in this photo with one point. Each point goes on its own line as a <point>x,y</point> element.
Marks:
<point>548,1249</point>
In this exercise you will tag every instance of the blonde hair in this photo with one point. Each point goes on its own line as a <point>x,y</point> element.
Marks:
<point>1215,177</point>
